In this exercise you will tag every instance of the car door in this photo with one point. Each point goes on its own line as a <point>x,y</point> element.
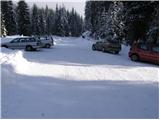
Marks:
<point>23,42</point>
<point>106,45</point>
<point>144,52</point>
<point>14,44</point>
<point>98,45</point>
<point>154,54</point>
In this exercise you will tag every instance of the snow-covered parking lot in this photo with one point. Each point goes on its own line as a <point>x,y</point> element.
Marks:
<point>72,81</point>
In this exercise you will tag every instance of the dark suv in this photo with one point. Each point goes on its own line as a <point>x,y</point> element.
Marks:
<point>107,46</point>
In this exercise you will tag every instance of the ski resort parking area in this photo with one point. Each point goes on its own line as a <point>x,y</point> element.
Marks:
<point>69,80</point>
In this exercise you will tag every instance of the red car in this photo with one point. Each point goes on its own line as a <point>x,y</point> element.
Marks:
<point>144,52</point>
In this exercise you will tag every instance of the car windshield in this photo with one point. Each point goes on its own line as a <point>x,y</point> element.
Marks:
<point>44,38</point>
<point>100,42</point>
<point>113,41</point>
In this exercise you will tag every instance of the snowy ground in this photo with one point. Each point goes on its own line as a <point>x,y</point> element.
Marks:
<point>72,81</point>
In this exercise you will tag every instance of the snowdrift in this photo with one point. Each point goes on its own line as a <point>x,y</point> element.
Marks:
<point>72,81</point>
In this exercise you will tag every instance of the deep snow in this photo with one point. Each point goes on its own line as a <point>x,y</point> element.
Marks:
<point>72,81</point>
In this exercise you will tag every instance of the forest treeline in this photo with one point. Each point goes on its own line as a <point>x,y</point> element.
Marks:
<point>19,19</point>
<point>125,20</point>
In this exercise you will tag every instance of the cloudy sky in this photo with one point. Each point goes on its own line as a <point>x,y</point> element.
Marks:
<point>78,5</point>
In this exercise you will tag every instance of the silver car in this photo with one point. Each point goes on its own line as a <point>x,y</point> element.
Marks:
<point>27,43</point>
<point>47,41</point>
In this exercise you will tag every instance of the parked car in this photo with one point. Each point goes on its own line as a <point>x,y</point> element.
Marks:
<point>86,34</point>
<point>107,46</point>
<point>27,43</point>
<point>144,52</point>
<point>47,41</point>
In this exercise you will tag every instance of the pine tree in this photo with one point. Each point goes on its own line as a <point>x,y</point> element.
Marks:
<point>3,28</point>
<point>88,24</point>
<point>23,18</point>
<point>64,27</point>
<point>8,17</point>
<point>41,21</point>
<point>137,16</point>
<point>57,22</point>
<point>47,20</point>
<point>117,20</point>
<point>35,21</point>
<point>153,29</point>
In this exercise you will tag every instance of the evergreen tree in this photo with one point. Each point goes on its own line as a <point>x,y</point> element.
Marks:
<point>3,28</point>
<point>47,21</point>
<point>57,21</point>
<point>41,21</point>
<point>125,20</point>
<point>88,24</point>
<point>75,23</point>
<point>118,17</point>
<point>137,16</point>
<point>153,30</point>
<point>64,25</point>
<point>8,17</point>
<point>51,21</point>
<point>35,21</point>
<point>23,18</point>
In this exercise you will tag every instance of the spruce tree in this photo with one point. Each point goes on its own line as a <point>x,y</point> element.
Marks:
<point>23,18</point>
<point>137,18</point>
<point>35,21</point>
<point>3,28</point>
<point>153,29</point>
<point>41,21</point>
<point>64,26</point>
<point>57,21</point>
<point>8,17</point>
<point>88,25</point>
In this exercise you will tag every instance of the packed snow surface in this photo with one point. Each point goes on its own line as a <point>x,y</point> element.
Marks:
<point>72,81</point>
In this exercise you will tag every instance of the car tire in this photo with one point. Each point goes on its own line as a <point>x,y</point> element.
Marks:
<point>29,48</point>
<point>47,46</point>
<point>116,52</point>
<point>5,46</point>
<point>93,47</point>
<point>134,57</point>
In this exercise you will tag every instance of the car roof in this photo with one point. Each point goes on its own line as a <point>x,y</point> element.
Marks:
<point>24,37</point>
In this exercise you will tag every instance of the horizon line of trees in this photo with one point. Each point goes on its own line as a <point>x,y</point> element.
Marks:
<point>20,20</point>
<point>128,21</point>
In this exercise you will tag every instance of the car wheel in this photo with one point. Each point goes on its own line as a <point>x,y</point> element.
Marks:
<point>47,45</point>
<point>116,52</point>
<point>93,47</point>
<point>29,48</point>
<point>134,57</point>
<point>5,46</point>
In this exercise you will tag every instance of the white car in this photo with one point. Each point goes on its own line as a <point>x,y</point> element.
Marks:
<point>27,43</point>
<point>47,41</point>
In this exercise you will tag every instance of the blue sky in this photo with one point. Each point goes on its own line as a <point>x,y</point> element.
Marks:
<point>78,5</point>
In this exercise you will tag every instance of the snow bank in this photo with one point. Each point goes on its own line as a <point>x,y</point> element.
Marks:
<point>72,81</point>
<point>78,71</point>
